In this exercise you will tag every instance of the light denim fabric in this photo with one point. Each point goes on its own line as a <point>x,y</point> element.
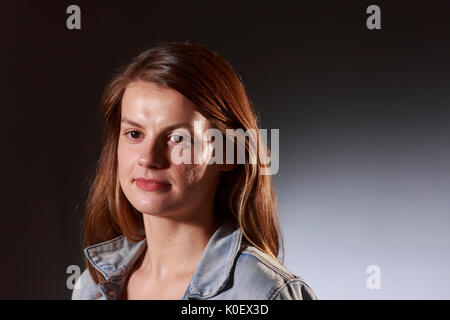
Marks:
<point>229,269</point>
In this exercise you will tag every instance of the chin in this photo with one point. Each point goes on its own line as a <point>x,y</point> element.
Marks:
<point>151,205</point>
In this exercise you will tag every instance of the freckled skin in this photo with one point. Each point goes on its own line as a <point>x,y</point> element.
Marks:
<point>192,185</point>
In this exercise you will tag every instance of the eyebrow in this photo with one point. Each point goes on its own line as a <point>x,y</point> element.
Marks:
<point>171,127</point>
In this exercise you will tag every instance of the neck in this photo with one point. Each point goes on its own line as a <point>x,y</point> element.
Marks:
<point>175,247</point>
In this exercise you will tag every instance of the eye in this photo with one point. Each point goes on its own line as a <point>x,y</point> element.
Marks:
<point>177,138</point>
<point>133,134</point>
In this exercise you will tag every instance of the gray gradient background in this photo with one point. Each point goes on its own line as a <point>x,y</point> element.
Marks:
<point>364,131</point>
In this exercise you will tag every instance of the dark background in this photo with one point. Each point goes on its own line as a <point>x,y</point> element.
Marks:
<point>363,118</point>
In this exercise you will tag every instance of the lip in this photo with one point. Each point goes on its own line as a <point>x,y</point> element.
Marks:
<point>151,184</point>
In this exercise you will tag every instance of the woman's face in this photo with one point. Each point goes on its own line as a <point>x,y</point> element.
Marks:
<point>152,121</point>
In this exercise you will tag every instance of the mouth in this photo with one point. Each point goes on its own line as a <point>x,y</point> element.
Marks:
<point>151,184</point>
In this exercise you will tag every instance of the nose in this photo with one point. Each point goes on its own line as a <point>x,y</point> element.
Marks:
<point>153,155</point>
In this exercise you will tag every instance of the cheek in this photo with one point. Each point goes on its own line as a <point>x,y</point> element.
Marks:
<point>192,176</point>
<point>197,180</point>
<point>125,160</point>
<point>195,177</point>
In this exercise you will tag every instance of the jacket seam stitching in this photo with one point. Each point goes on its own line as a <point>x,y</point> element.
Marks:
<point>260,258</point>
<point>95,246</point>
<point>103,272</point>
<point>278,291</point>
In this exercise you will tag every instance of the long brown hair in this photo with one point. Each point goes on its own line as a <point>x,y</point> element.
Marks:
<point>244,194</point>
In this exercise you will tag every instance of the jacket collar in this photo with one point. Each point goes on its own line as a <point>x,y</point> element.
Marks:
<point>215,266</point>
<point>115,258</point>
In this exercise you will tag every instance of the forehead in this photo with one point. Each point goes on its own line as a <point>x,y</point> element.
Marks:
<point>145,101</point>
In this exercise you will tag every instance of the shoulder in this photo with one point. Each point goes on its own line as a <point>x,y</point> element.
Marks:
<point>85,288</point>
<point>259,276</point>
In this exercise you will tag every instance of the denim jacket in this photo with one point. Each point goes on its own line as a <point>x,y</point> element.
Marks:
<point>229,269</point>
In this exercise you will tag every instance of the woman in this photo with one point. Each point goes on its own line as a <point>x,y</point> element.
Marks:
<point>158,228</point>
